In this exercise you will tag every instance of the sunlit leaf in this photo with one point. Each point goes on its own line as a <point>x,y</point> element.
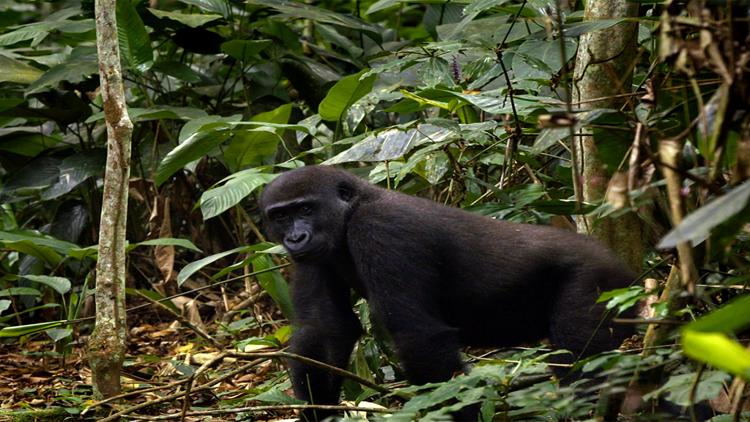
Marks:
<point>12,70</point>
<point>717,350</point>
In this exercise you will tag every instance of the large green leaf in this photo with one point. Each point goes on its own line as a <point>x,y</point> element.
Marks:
<point>245,50</point>
<point>157,113</point>
<point>81,64</point>
<point>717,350</point>
<point>343,94</point>
<point>60,284</point>
<point>306,11</point>
<point>234,188</point>
<point>252,146</point>
<point>696,227</point>
<point>221,7</point>
<point>74,170</point>
<point>37,238</point>
<point>135,43</point>
<point>204,135</point>
<point>730,318</point>
<point>12,70</point>
<point>273,283</point>
<point>391,144</point>
<point>38,31</point>
<point>192,20</point>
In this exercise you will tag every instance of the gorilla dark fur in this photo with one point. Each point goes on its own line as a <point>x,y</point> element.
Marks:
<point>437,278</point>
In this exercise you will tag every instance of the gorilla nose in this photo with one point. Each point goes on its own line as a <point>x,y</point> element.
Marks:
<point>296,240</point>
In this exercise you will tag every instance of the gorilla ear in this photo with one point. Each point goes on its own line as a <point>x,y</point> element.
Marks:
<point>345,191</point>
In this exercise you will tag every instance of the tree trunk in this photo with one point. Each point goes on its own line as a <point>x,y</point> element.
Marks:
<point>603,69</point>
<point>107,342</point>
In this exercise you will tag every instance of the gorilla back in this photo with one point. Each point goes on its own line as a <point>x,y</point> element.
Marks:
<point>437,278</point>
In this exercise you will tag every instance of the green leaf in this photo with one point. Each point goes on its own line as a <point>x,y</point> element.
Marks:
<point>74,170</point>
<point>273,283</point>
<point>192,20</point>
<point>159,112</point>
<point>221,7</point>
<point>717,350</point>
<point>195,266</point>
<point>60,284</point>
<point>210,133</point>
<point>19,291</point>
<point>12,70</point>
<point>679,388</point>
<point>343,94</point>
<point>235,188</point>
<point>167,241</point>
<point>730,318</point>
<point>22,330</point>
<point>135,44</point>
<point>391,144</point>
<point>36,238</point>
<point>178,70</point>
<point>250,147</point>
<point>4,305</point>
<point>81,64</point>
<point>49,256</point>
<point>38,31</point>
<point>697,226</point>
<point>245,50</point>
<point>306,11</point>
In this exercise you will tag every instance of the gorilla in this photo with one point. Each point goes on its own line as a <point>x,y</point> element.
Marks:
<point>436,278</point>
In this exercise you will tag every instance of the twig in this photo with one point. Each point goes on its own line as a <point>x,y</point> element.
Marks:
<point>312,362</point>
<point>178,395</point>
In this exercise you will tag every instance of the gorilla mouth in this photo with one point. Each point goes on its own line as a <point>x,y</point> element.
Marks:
<point>307,254</point>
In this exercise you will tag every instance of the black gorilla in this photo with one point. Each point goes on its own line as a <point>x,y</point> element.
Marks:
<point>437,278</point>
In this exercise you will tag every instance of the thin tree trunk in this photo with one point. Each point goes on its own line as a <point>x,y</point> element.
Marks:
<point>107,342</point>
<point>603,69</point>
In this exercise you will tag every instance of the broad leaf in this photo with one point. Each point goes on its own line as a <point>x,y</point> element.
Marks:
<point>60,284</point>
<point>135,43</point>
<point>697,226</point>
<point>234,188</point>
<point>249,147</point>
<point>192,20</point>
<point>245,50</point>
<point>81,64</point>
<point>12,70</point>
<point>343,94</point>
<point>717,350</point>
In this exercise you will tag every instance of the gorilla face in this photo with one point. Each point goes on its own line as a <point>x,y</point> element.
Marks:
<point>311,226</point>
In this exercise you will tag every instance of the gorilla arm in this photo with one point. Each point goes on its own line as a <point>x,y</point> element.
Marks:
<point>325,329</point>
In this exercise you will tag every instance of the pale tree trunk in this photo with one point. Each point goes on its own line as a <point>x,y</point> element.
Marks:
<point>604,69</point>
<point>107,342</point>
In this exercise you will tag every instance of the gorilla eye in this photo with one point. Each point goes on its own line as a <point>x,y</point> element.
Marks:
<point>280,217</point>
<point>305,210</point>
